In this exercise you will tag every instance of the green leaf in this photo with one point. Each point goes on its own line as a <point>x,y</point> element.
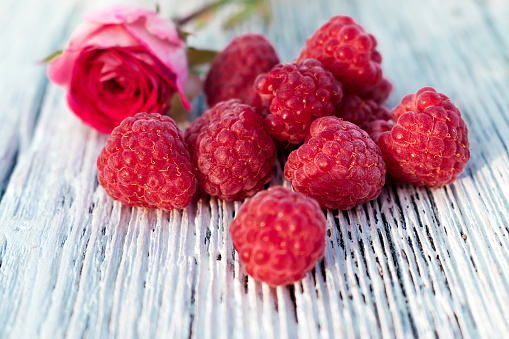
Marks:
<point>248,9</point>
<point>52,56</point>
<point>265,11</point>
<point>203,20</point>
<point>177,111</point>
<point>197,57</point>
<point>183,34</point>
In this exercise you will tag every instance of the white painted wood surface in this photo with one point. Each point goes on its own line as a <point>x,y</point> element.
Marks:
<point>416,262</point>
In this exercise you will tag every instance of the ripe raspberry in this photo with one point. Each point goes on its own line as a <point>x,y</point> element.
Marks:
<point>407,104</point>
<point>234,70</point>
<point>429,145</point>
<point>377,127</point>
<point>360,111</point>
<point>297,94</point>
<point>340,166</point>
<point>145,163</point>
<point>380,93</point>
<point>232,151</point>
<point>347,51</point>
<point>279,235</point>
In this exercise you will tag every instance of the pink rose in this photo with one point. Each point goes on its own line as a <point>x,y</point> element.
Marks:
<point>123,60</point>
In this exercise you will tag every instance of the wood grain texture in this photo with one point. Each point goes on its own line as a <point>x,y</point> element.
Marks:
<point>415,262</point>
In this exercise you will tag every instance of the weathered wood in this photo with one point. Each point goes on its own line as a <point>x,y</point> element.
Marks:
<point>414,262</point>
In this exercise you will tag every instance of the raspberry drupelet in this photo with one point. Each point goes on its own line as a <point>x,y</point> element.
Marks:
<point>360,111</point>
<point>234,70</point>
<point>339,165</point>
<point>429,144</point>
<point>380,93</point>
<point>297,94</point>
<point>407,104</point>
<point>279,235</point>
<point>348,52</point>
<point>145,163</point>
<point>233,153</point>
<point>378,127</point>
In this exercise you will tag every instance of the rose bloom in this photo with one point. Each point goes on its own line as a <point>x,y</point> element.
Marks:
<point>121,61</point>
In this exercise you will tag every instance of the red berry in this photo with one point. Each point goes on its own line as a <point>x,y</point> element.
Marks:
<point>380,93</point>
<point>406,105</point>
<point>340,166</point>
<point>377,127</point>
<point>234,70</point>
<point>347,51</point>
<point>233,153</point>
<point>360,111</point>
<point>297,93</point>
<point>145,163</point>
<point>279,235</point>
<point>429,144</point>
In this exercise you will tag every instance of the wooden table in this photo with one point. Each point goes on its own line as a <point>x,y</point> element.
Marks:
<point>416,262</point>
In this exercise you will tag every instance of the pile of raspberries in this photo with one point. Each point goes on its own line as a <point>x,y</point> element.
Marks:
<point>326,109</point>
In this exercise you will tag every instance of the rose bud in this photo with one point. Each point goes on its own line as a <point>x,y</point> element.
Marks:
<point>122,60</point>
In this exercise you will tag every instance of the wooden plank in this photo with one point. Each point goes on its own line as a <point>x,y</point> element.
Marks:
<point>24,82</point>
<point>414,262</point>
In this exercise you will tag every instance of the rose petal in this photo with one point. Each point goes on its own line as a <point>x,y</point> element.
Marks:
<point>80,35</point>
<point>59,69</point>
<point>108,36</point>
<point>127,14</point>
<point>171,55</point>
<point>90,35</point>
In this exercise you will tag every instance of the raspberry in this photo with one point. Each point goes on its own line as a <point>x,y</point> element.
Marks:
<point>145,163</point>
<point>279,235</point>
<point>380,93</point>
<point>347,51</point>
<point>377,127</point>
<point>360,111</point>
<point>407,104</point>
<point>193,132</point>
<point>429,145</point>
<point>234,70</point>
<point>340,166</point>
<point>297,94</point>
<point>232,151</point>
